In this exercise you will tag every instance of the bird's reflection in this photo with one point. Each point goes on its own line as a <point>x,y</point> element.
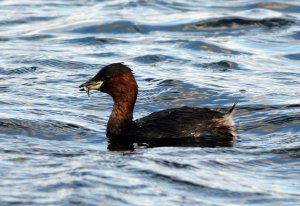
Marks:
<point>125,144</point>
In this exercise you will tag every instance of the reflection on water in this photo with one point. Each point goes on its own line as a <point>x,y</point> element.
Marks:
<point>199,53</point>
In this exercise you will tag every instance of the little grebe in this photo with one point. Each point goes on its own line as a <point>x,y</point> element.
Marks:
<point>183,124</point>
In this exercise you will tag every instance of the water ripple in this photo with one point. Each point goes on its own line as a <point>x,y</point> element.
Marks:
<point>236,23</point>
<point>205,25</point>
<point>95,41</point>
<point>53,145</point>
<point>21,70</point>
<point>44,129</point>
<point>150,59</point>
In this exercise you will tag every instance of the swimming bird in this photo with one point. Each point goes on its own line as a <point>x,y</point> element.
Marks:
<point>175,126</point>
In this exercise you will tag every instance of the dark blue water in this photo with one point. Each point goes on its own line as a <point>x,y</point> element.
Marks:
<point>53,148</point>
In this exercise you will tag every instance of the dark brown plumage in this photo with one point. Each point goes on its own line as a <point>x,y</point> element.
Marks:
<point>171,126</point>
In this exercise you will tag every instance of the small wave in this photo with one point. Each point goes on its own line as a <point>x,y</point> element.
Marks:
<point>200,45</point>
<point>172,164</point>
<point>114,27</point>
<point>262,119</point>
<point>271,124</point>
<point>36,37</point>
<point>223,65</point>
<point>26,20</point>
<point>284,119</point>
<point>276,6</point>
<point>293,56</point>
<point>4,39</point>
<point>170,82</point>
<point>43,129</point>
<point>248,109</point>
<point>95,41</point>
<point>210,24</point>
<point>235,23</point>
<point>290,152</point>
<point>104,54</point>
<point>21,70</point>
<point>154,58</point>
<point>296,35</point>
<point>61,63</point>
<point>195,185</point>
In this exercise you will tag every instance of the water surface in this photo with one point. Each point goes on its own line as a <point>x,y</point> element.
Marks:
<point>53,148</point>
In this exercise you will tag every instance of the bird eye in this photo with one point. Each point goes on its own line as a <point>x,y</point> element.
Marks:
<point>105,78</point>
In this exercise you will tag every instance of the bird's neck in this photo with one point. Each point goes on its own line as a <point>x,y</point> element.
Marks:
<point>124,93</point>
<point>121,116</point>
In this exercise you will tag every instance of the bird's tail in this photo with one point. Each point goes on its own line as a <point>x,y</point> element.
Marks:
<point>231,111</point>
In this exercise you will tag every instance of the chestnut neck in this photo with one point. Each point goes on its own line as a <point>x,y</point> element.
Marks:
<point>124,94</point>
